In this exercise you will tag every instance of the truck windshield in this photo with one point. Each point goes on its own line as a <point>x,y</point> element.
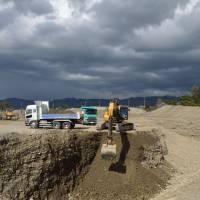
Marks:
<point>28,111</point>
<point>91,111</point>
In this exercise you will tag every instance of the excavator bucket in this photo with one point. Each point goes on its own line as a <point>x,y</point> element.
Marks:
<point>108,151</point>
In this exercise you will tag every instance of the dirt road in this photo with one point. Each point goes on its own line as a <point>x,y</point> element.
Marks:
<point>19,127</point>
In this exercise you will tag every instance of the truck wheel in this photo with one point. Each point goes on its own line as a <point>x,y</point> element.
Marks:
<point>67,125</point>
<point>72,125</point>
<point>56,125</point>
<point>33,124</point>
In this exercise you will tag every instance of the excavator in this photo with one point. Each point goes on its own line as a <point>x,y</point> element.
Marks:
<point>9,115</point>
<point>114,117</point>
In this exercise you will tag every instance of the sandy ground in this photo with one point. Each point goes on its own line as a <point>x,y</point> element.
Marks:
<point>183,146</point>
<point>180,126</point>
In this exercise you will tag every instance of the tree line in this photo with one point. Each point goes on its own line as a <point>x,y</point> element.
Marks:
<point>4,105</point>
<point>188,100</point>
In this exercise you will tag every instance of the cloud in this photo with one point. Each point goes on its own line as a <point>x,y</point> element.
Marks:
<point>7,16</point>
<point>94,48</point>
<point>36,7</point>
<point>78,77</point>
<point>180,37</point>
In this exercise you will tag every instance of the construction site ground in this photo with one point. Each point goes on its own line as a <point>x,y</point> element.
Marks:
<point>178,177</point>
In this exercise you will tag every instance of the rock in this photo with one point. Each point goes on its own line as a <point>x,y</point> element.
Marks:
<point>1,186</point>
<point>153,155</point>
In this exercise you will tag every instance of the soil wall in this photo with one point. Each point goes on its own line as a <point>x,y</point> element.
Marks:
<point>44,166</point>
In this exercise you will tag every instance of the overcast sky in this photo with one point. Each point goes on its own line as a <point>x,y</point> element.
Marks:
<point>98,48</point>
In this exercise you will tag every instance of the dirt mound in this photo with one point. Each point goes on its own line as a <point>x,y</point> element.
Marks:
<point>126,178</point>
<point>184,120</point>
<point>137,111</point>
<point>183,112</point>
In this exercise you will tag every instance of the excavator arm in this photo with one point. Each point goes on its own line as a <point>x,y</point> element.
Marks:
<point>113,118</point>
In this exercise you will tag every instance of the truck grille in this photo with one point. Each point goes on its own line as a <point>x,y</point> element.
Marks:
<point>90,120</point>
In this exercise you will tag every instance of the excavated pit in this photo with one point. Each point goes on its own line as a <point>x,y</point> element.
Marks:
<point>139,172</point>
<point>59,165</point>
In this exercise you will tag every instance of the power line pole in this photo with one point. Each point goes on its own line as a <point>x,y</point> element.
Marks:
<point>144,102</point>
<point>21,107</point>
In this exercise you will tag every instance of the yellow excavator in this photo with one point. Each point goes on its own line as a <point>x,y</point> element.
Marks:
<point>9,115</point>
<point>115,117</point>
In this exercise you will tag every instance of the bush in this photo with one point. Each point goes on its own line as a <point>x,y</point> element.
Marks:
<point>171,102</point>
<point>194,99</point>
<point>188,101</point>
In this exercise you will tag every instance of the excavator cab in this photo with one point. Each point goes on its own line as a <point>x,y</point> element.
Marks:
<point>123,112</point>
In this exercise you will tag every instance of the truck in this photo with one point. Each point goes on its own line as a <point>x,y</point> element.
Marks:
<point>89,114</point>
<point>38,115</point>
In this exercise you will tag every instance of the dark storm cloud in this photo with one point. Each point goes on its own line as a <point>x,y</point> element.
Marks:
<point>96,48</point>
<point>131,14</point>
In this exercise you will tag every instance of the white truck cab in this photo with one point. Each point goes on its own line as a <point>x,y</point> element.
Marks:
<point>34,112</point>
<point>30,114</point>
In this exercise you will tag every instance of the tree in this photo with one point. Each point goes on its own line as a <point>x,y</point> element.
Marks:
<point>196,92</point>
<point>188,101</point>
<point>4,105</point>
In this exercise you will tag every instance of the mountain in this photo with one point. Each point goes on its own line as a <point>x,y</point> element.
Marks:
<point>17,102</point>
<point>77,102</point>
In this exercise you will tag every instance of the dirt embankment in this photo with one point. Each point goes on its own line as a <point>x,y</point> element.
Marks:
<point>139,171</point>
<point>44,166</point>
<point>184,120</point>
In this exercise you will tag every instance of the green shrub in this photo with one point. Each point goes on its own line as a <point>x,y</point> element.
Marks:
<point>171,102</point>
<point>188,100</point>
